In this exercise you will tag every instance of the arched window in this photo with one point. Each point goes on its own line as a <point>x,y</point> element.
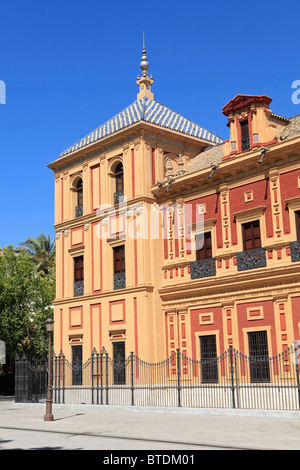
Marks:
<point>119,186</point>
<point>79,190</point>
<point>119,177</point>
<point>79,198</point>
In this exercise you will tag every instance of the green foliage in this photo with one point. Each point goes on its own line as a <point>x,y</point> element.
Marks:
<point>42,252</point>
<point>26,295</point>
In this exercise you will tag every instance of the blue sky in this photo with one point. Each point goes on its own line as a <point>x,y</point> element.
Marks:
<point>70,65</point>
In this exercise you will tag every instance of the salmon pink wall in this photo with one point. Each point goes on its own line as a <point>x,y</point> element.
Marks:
<point>261,197</point>
<point>289,188</point>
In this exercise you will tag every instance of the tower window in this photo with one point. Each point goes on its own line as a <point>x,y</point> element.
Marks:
<point>79,199</point>
<point>119,177</point>
<point>79,193</point>
<point>78,268</point>
<point>245,141</point>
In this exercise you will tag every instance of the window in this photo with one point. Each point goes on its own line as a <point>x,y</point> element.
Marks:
<point>78,276</point>
<point>119,267</point>
<point>259,356</point>
<point>77,365</point>
<point>79,198</point>
<point>206,250</point>
<point>251,235</point>
<point>78,268</point>
<point>208,351</point>
<point>119,259</point>
<point>297,217</point>
<point>245,142</point>
<point>119,184</point>
<point>79,189</point>
<point>119,362</point>
<point>119,177</point>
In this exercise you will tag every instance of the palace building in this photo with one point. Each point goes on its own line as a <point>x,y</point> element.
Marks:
<point>170,237</point>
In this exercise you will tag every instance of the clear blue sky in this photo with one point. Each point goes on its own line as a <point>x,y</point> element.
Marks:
<point>70,65</point>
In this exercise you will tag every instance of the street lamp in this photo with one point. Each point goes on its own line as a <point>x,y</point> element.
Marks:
<point>49,416</point>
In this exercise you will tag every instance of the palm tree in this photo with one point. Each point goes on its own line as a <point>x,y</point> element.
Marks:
<point>42,251</point>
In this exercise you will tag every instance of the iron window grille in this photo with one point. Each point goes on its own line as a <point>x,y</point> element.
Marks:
<point>258,356</point>
<point>78,276</point>
<point>209,367</point>
<point>119,267</point>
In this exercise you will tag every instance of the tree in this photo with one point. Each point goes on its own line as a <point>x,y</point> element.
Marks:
<point>25,298</point>
<point>42,252</point>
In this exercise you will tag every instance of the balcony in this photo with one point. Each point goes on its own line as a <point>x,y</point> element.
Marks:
<point>295,251</point>
<point>245,144</point>
<point>119,281</point>
<point>78,211</point>
<point>118,197</point>
<point>203,268</point>
<point>251,259</point>
<point>78,288</point>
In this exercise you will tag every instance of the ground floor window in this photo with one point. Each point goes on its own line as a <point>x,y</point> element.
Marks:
<point>119,362</point>
<point>258,356</point>
<point>208,351</point>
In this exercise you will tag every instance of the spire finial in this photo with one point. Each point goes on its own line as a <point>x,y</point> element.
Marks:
<point>144,82</point>
<point>144,64</point>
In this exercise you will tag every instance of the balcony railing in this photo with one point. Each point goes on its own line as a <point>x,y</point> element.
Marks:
<point>119,281</point>
<point>245,144</point>
<point>78,211</point>
<point>78,288</point>
<point>118,197</point>
<point>295,251</point>
<point>251,259</point>
<point>203,268</point>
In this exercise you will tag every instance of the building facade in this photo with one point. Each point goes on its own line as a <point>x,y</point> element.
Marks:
<point>169,237</point>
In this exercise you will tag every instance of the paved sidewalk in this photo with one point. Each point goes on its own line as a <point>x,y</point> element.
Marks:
<point>85,427</point>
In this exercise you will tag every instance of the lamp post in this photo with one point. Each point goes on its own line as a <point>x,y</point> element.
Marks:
<point>49,416</point>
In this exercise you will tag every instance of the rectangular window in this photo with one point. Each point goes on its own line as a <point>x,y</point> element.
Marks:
<point>78,276</point>
<point>119,362</point>
<point>251,235</point>
<point>77,365</point>
<point>208,351</point>
<point>78,268</point>
<point>119,259</point>
<point>259,356</point>
<point>206,250</point>
<point>297,219</point>
<point>245,142</point>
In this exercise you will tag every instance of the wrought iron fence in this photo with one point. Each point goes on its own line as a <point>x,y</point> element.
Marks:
<point>231,380</point>
<point>30,379</point>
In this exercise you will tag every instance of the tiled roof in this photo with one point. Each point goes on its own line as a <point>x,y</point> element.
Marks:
<point>210,155</point>
<point>292,129</point>
<point>147,110</point>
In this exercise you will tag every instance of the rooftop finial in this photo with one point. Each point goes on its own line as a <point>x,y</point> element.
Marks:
<point>144,64</point>
<point>144,82</point>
